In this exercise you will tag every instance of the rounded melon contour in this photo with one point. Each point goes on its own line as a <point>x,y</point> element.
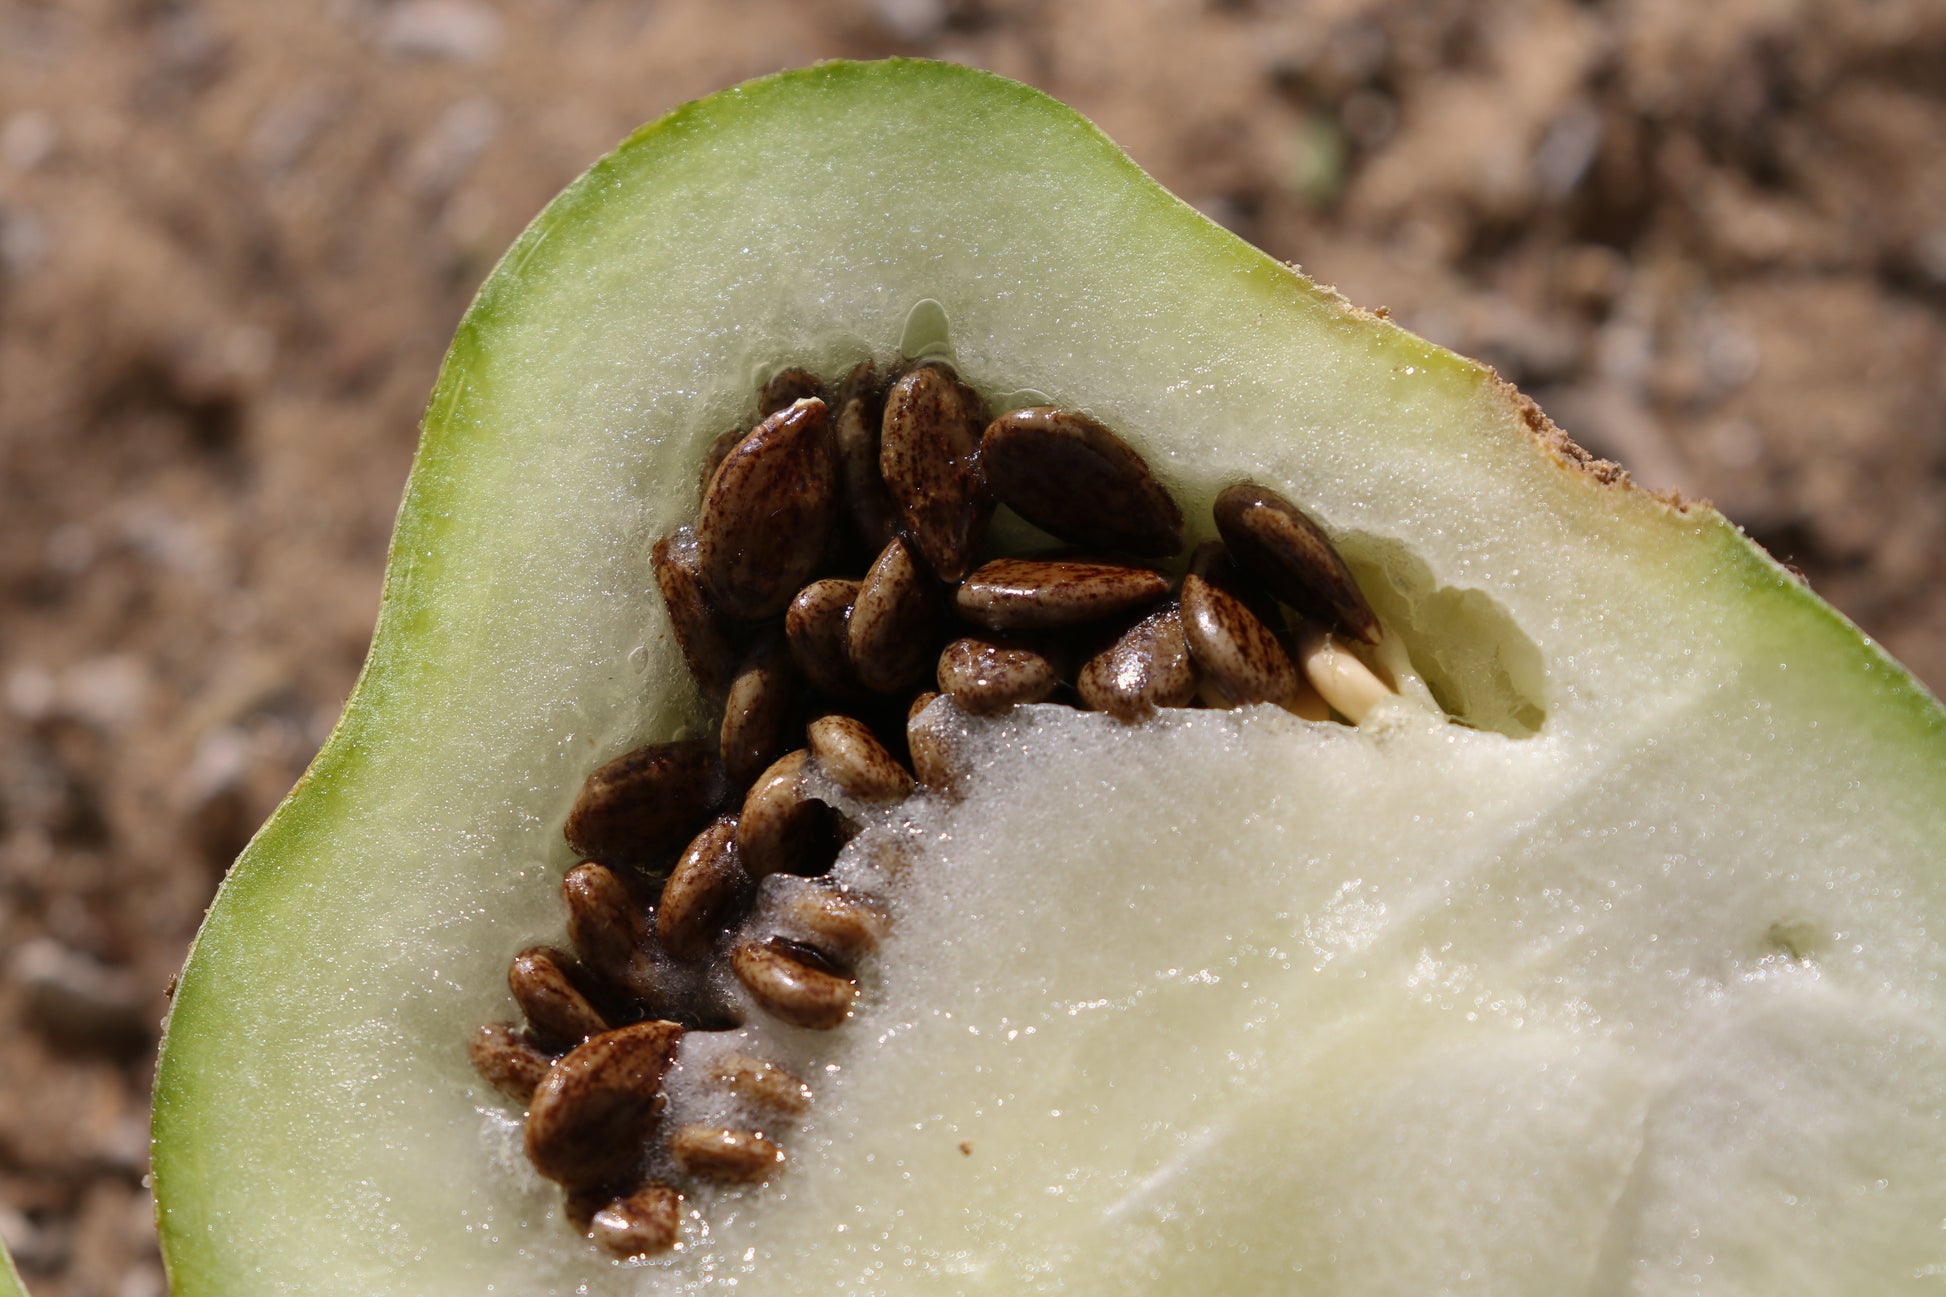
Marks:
<point>1629,983</point>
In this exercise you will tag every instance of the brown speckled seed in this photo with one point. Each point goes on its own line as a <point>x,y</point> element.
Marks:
<point>985,678</point>
<point>793,984</point>
<point>1034,594</point>
<point>610,931</point>
<point>699,631</point>
<point>544,982</point>
<point>1232,644</point>
<point>592,1116</point>
<point>719,450</point>
<point>508,1061</point>
<point>726,1155</point>
<point>782,829</point>
<point>894,621</point>
<point>769,512</point>
<point>759,708</point>
<point>1070,476</point>
<point>849,753</point>
<point>858,414</point>
<point>1148,667</point>
<point>640,808</point>
<point>704,893</point>
<point>832,920</point>
<point>929,454</point>
<point>646,1223</point>
<point>1275,542</point>
<point>818,626</point>
<point>786,388</point>
<point>761,1084</point>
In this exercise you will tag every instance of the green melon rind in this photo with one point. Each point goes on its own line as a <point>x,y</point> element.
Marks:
<point>228,1006</point>
<point>10,1285</point>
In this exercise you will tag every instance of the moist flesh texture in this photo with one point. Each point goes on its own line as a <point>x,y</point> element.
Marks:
<point>1629,982</point>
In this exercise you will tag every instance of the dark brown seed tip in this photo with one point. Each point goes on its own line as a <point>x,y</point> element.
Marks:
<point>786,388</point>
<point>929,456</point>
<point>758,710</point>
<point>640,808</point>
<point>646,1223</point>
<point>593,1115</point>
<point>768,515</point>
<point>1070,476</point>
<point>1038,593</point>
<point>1275,542</point>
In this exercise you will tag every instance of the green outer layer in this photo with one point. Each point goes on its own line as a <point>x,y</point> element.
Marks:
<point>413,657</point>
<point>10,1285</point>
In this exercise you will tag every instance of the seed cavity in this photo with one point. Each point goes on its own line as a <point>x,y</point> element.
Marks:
<point>1070,476</point>
<point>1278,544</point>
<point>640,808</point>
<point>725,1155</point>
<point>1041,594</point>
<point>769,513</point>
<point>929,454</point>
<point>593,1114</point>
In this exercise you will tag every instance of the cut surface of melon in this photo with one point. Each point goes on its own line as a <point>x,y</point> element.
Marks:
<point>1629,984</point>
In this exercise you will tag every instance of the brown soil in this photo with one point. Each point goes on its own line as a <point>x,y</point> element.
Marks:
<point>234,237</point>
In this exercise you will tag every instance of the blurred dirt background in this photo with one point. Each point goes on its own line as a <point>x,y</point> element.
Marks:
<point>235,236</point>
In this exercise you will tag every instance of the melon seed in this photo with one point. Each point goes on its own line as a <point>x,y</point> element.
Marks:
<point>507,1061</point>
<point>985,677</point>
<point>1351,687</point>
<point>543,982</point>
<point>1042,593</point>
<point>849,753</point>
<point>858,413</point>
<point>786,388</point>
<point>818,627</point>
<point>1230,641</point>
<point>1278,544</point>
<point>699,631</point>
<point>703,893</point>
<point>782,828</point>
<point>1147,667</point>
<point>1070,476</point>
<point>643,1224</point>
<point>641,807</point>
<point>609,931</point>
<point>893,621</point>
<point>769,512</point>
<point>929,455</point>
<point>793,983</point>
<point>592,1115</point>
<point>759,1083</point>
<point>757,711</point>
<point>727,1155</point>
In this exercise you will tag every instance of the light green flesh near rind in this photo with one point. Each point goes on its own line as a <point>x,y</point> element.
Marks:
<point>10,1285</point>
<point>1648,1001</point>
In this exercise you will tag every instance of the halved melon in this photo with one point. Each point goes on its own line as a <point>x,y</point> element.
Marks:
<point>1618,971</point>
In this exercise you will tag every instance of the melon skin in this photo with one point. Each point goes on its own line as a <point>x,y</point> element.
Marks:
<point>1634,986</point>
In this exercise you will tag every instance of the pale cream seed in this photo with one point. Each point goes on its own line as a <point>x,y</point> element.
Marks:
<point>1340,677</point>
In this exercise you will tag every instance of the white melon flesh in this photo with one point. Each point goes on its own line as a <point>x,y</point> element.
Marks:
<point>1632,984</point>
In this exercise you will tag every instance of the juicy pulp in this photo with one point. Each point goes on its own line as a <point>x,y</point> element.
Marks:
<point>1635,987</point>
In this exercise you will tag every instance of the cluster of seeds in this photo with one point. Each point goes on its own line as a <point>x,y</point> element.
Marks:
<point>836,574</point>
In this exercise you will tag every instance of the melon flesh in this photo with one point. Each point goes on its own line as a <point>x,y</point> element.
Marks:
<point>1629,984</point>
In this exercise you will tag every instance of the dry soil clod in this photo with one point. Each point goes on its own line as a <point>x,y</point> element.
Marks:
<point>768,515</point>
<point>1045,593</point>
<point>1278,544</point>
<point>929,455</point>
<point>640,808</point>
<point>592,1116</point>
<point>1071,476</point>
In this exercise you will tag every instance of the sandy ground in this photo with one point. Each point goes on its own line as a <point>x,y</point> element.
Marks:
<point>235,236</point>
